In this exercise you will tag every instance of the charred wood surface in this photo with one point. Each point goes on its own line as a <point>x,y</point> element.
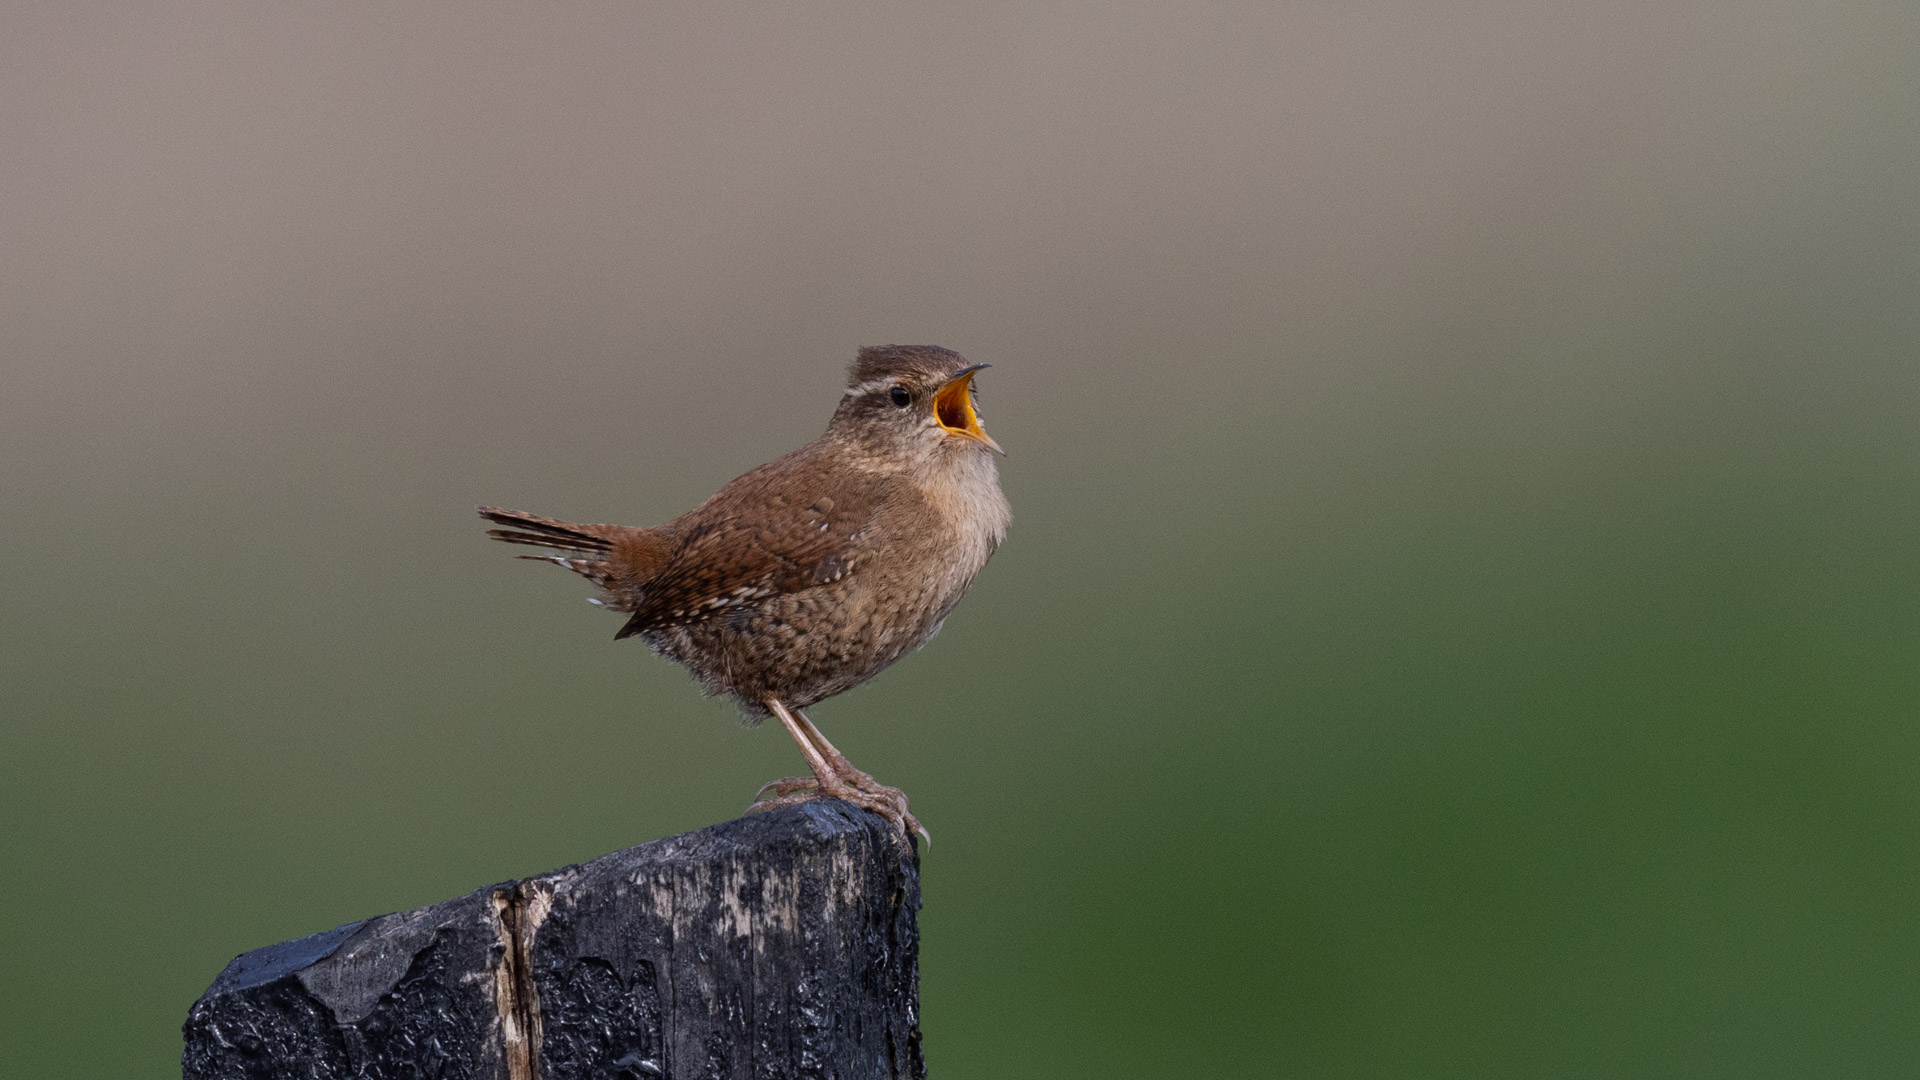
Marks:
<point>784,944</point>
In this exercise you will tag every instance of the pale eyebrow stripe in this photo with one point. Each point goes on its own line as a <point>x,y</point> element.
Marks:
<point>867,387</point>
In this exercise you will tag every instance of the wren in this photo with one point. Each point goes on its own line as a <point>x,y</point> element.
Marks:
<point>807,576</point>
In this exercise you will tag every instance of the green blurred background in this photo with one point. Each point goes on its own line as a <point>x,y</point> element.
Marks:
<point>1460,616</point>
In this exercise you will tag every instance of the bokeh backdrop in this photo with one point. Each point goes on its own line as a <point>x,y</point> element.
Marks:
<point>1460,615</point>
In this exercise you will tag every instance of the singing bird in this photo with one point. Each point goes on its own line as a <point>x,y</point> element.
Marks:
<point>807,576</point>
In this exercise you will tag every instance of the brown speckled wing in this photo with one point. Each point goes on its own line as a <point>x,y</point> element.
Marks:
<point>776,530</point>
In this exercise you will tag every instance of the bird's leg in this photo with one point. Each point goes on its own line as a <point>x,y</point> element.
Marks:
<point>836,759</point>
<point>824,778</point>
<point>833,777</point>
<point>860,779</point>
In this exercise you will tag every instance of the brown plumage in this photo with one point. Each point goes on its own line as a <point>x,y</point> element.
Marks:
<point>807,576</point>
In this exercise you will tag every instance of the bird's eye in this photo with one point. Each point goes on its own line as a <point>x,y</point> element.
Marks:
<point>900,396</point>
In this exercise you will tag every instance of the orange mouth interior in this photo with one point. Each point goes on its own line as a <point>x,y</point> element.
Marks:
<point>953,407</point>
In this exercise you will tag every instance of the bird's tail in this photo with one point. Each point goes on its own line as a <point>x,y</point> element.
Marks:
<point>536,531</point>
<point>593,548</point>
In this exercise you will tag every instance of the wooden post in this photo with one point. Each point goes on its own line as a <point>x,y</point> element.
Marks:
<point>784,944</point>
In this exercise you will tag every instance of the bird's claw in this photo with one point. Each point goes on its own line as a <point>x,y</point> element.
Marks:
<point>865,792</point>
<point>781,789</point>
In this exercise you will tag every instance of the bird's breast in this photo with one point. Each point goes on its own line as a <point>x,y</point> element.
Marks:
<point>970,513</point>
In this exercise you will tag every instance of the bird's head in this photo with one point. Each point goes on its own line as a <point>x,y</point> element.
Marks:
<point>912,404</point>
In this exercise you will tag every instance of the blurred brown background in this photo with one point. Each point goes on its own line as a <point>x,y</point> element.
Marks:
<point>1460,613</point>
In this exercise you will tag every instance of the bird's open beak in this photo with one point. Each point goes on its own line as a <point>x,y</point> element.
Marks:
<point>953,408</point>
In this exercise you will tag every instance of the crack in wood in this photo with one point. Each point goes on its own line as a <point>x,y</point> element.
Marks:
<point>518,910</point>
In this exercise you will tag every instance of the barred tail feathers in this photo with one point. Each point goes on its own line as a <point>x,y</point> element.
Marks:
<point>618,558</point>
<point>549,532</point>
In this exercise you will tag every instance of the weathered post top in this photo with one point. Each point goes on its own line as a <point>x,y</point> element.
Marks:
<point>784,944</point>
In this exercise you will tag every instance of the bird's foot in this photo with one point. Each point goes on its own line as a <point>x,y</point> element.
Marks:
<point>780,789</point>
<point>861,790</point>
